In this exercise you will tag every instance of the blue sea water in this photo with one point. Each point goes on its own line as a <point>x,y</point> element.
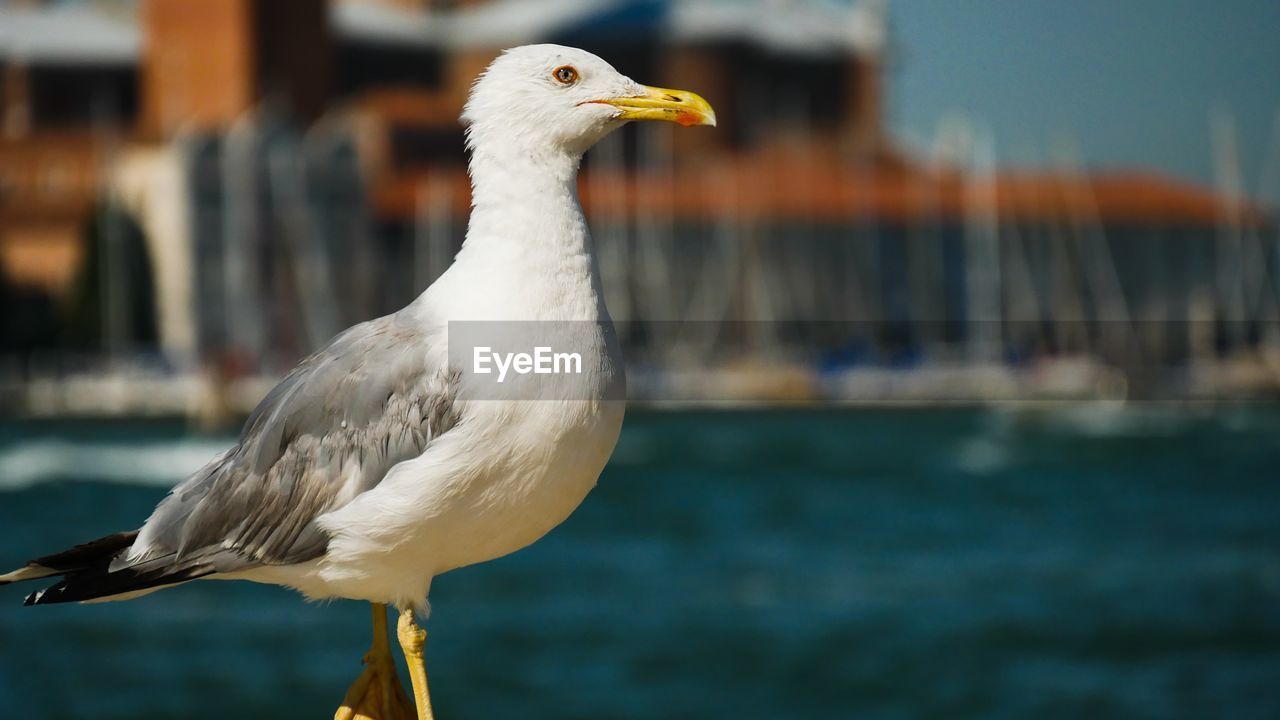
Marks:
<point>1083,561</point>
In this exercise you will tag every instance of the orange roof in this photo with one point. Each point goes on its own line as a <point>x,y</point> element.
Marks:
<point>785,188</point>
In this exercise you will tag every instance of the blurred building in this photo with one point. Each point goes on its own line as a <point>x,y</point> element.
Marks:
<point>92,90</point>
<point>233,181</point>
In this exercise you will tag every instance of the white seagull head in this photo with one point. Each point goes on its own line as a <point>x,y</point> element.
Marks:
<point>540,97</point>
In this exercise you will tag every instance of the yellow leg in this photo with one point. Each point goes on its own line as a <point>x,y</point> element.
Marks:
<point>412,641</point>
<point>377,693</point>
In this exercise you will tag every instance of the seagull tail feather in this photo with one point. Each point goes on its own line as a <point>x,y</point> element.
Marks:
<point>100,584</point>
<point>76,558</point>
<point>87,575</point>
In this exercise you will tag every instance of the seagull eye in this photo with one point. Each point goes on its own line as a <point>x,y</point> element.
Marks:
<point>565,74</point>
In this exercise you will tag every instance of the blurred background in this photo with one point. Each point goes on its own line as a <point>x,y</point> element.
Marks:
<point>954,350</point>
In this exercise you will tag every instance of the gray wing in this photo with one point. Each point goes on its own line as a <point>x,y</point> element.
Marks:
<point>328,432</point>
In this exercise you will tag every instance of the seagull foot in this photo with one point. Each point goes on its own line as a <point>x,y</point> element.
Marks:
<point>413,641</point>
<point>377,694</point>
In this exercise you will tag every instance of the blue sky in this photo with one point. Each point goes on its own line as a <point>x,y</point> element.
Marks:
<point>1132,81</point>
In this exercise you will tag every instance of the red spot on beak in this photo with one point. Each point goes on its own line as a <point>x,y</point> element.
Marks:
<point>688,119</point>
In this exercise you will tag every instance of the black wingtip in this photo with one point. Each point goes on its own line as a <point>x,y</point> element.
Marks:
<point>86,560</point>
<point>99,584</point>
<point>89,553</point>
<point>57,593</point>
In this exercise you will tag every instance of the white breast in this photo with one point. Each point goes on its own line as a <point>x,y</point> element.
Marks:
<point>494,484</point>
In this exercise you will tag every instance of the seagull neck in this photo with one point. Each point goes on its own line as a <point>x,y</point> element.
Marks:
<point>525,205</point>
<point>527,244</point>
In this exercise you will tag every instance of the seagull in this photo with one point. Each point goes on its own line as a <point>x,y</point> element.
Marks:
<point>385,459</point>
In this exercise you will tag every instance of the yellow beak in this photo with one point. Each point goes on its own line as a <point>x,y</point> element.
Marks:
<point>677,106</point>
